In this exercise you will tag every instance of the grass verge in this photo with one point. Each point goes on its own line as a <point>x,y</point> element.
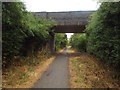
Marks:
<point>25,72</point>
<point>87,72</point>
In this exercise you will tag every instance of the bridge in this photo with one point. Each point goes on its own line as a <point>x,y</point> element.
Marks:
<point>67,22</point>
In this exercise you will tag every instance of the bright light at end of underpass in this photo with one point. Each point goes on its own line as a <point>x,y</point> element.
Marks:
<point>69,35</point>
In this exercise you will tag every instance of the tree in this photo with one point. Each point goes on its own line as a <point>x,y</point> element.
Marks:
<point>60,41</point>
<point>78,41</point>
<point>103,33</point>
<point>23,33</point>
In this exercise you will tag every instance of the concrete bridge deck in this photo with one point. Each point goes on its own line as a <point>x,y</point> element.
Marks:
<point>67,22</point>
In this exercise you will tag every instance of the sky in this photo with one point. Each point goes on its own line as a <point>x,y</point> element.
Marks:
<point>60,5</point>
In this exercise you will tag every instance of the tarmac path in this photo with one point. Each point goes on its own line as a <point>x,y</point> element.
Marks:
<point>57,75</point>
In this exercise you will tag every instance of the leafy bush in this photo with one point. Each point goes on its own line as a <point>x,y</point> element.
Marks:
<point>103,33</point>
<point>37,35</point>
<point>12,34</point>
<point>60,41</point>
<point>22,33</point>
<point>78,41</point>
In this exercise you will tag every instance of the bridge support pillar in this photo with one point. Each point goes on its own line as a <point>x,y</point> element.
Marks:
<point>52,42</point>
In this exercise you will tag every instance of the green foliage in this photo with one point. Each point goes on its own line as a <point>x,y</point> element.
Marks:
<point>78,41</point>
<point>12,35</point>
<point>37,33</point>
<point>22,31</point>
<point>60,41</point>
<point>103,33</point>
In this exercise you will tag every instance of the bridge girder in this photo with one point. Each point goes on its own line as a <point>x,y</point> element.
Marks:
<point>69,29</point>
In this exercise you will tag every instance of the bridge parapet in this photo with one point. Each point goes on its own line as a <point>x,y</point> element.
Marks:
<point>67,18</point>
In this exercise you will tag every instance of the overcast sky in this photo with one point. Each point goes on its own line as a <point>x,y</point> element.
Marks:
<point>60,5</point>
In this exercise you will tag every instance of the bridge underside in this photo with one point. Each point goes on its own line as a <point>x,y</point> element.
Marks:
<point>69,29</point>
